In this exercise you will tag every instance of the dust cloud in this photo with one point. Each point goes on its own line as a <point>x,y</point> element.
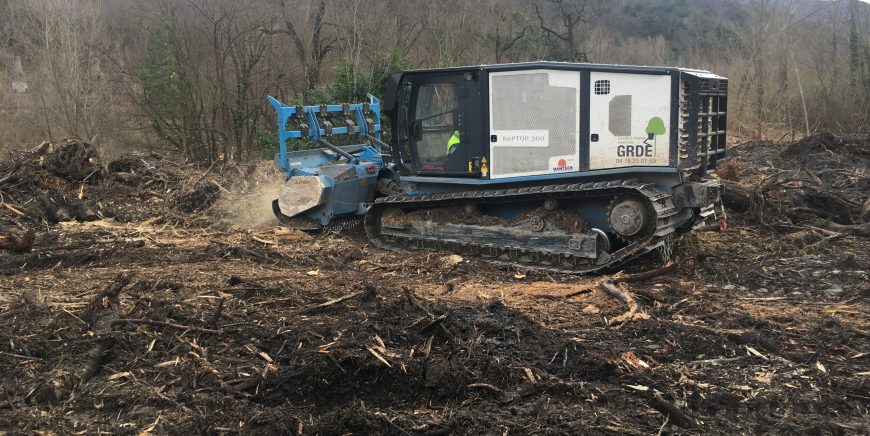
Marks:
<point>249,205</point>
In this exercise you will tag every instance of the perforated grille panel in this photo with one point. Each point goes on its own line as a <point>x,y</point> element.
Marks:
<point>534,122</point>
<point>620,115</point>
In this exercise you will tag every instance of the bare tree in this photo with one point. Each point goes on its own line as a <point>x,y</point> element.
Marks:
<point>312,51</point>
<point>227,82</point>
<point>506,35</point>
<point>65,41</point>
<point>569,15</point>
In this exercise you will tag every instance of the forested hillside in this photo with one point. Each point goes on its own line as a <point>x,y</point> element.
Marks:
<point>192,75</point>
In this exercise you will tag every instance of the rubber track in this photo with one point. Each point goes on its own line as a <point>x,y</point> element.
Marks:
<point>662,236</point>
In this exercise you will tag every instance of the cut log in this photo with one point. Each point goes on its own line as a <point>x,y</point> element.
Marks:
<point>736,197</point>
<point>862,230</point>
<point>674,414</point>
<point>58,208</point>
<point>16,241</point>
<point>99,315</point>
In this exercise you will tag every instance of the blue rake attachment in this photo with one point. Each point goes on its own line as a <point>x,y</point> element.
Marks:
<point>320,185</point>
<point>360,119</point>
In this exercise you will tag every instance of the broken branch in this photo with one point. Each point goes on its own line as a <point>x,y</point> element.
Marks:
<point>164,324</point>
<point>646,275</point>
<point>623,295</point>
<point>328,303</point>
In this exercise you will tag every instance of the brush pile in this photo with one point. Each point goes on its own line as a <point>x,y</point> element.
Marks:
<point>820,181</point>
<point>68,181</point>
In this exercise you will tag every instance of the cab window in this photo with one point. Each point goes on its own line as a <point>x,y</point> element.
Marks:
<point>437,120</point>
<point>406,157</point>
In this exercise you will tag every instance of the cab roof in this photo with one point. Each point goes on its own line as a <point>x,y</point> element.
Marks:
<point>557,66</point>
<point>395,79</point>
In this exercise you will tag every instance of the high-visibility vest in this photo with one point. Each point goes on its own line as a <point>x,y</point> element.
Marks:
<point>453,140</point>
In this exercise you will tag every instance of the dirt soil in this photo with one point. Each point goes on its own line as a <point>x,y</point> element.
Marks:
<point>172,311</point>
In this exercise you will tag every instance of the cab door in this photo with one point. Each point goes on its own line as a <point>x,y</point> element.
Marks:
<point>439,134</point>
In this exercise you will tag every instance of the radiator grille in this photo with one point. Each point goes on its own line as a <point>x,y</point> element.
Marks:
<point>703,113</point>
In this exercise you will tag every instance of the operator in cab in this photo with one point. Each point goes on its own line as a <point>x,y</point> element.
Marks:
<point>453,142</point>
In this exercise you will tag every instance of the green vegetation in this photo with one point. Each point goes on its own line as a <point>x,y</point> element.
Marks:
<point>166,92</point>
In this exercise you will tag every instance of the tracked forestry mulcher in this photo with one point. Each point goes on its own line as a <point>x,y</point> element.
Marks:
<point>556,166</point>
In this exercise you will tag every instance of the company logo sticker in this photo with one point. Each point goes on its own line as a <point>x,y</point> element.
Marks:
<point>561,164</point>
<point>635,150</point>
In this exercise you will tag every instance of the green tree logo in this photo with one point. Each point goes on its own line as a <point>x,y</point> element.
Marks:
<point>654,127</point>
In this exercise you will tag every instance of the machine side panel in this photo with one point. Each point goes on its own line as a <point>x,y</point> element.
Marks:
<point>534,121</point>
<point>630,120</point>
